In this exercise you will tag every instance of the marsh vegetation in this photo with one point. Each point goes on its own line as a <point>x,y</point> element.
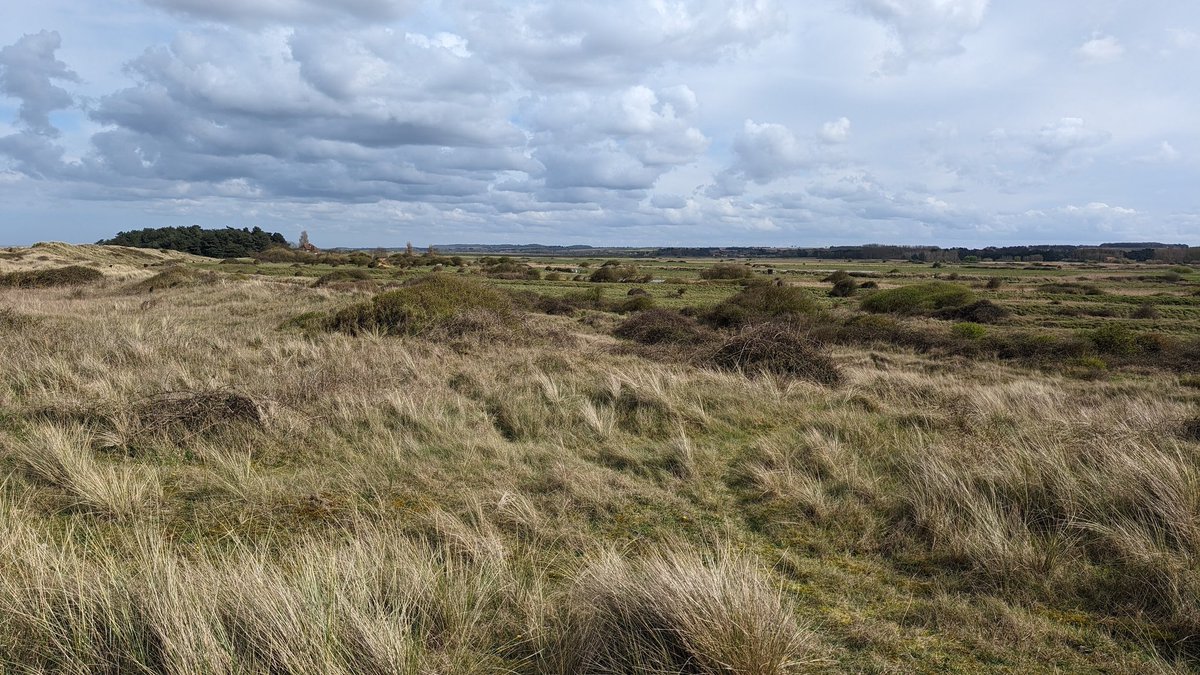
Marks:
<point>292,467</point>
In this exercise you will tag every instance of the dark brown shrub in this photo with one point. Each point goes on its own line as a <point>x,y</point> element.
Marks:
<point>843,288</point>
<point>1146,310</point>
<point>726,271</point>
<point>663,326</point>
<point>775,348</point>
<point>980,311</point>
<point>71,275</point>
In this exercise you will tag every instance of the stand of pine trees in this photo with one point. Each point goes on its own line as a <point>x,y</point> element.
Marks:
<point>229,242</point>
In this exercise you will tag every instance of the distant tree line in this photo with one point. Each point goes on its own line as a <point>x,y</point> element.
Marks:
<point>229,242</point>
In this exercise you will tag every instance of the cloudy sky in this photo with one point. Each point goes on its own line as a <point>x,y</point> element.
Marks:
<point>674,122</point>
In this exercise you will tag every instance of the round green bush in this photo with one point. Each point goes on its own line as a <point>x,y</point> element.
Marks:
<point>759,303</point>
<point>918,298</point>
<point>421,305</point>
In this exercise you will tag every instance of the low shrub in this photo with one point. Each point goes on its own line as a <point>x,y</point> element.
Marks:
<point>1115,339</point>
<point>71,275</point>
<point>759,303</point>
<point>918,298</point>
<point>420,306</point>
<point>197,412</point>
<point>629,274</point>
<point>1146,310</point>
<point>994,283</point>
<point>509,269</point>
<point>1070,288</point>
<point>177,276</point>
<point>980,311</point>
<point>638,303</point>
<point>663,326</point>
<point>778,349</point>
<point>843,288</point>
<point>342,276</point>
<point>968,330</point>
<point>726,271</point>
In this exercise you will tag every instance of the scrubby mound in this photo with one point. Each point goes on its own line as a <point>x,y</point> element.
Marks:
<point>71,275</point>
<point>663,326</point>
<point>726,271</point>
<point>175,277</point>
<point>759,303</point>
<point>424,304</point>
<point>980,311</point>
<point>775,348</point>
<point>196,412</point>
<point>629,274</point>
<point>918,298</point>
<point>1070,288</point>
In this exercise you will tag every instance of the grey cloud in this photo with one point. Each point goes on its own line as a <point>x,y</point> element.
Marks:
<point>1069,134</point>
<point>607,43</point>
<point>28,69</point>
<point>33,154</point>
<point>924,30</point>
<point>272,11</point>
<point>765,152</point>
<point>197,115</point>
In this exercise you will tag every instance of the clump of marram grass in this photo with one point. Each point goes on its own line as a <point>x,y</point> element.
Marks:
<point>777,349</point>
<point>918,298</point>
<point>421,306</point>
<point>71,275</point>
<point>62,457</point>
<point>677,613</point>
<point>12,320</point>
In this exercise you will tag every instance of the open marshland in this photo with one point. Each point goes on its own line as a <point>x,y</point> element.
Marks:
<point>458,465</point>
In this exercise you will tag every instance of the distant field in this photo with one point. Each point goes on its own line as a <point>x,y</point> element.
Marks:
<point>461,466</point>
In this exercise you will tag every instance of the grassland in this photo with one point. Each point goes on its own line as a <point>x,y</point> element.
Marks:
<point>200,472</point>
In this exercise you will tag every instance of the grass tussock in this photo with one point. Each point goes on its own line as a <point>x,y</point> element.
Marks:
<point>62,458</point>
<point>71,275</point>
<point>676,613</point>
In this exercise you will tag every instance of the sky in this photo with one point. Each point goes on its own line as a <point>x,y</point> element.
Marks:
<point>628,122</point>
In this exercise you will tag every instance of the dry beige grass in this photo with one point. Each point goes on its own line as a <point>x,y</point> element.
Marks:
<point>406,505</point>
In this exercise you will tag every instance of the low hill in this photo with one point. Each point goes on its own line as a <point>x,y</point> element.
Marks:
<point>114,259</point>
